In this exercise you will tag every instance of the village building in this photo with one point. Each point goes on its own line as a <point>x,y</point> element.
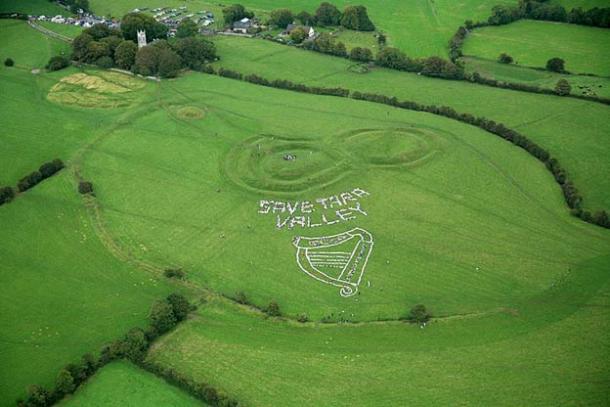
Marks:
<point>311,33</point>
<point>242,25</point>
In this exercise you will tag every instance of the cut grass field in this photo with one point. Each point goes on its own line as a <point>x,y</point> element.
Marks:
<point>532,43</point>
<point>123,384</point>
<point>581,84</point>
<point>566,127</point>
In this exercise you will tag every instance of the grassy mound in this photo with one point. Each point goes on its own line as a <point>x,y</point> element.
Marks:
<point>190,113</point>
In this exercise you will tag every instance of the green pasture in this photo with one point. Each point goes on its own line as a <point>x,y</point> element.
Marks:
<point>532,43</point>
<point>581,84</point>
<point>62,293</point>
<point>443,177</point>
<point>551,351</point>
<point>420,28</point>
<point>63,29</point>
<point>26,46</point>
<point>353,39</point>
<point>33,7</point>
<point>585,4</point>
<point>566,127</point>
<point>123,384</point>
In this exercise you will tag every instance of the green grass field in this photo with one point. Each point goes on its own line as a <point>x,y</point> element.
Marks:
<point>585,4</point>
<point>532,43</point>
<point>33,7</point>
<point>184,171</point>
<point>63,29</point>
<point>581,84</point>
<point>123,384</point>
<point>27,47</point>
<point>564,126</point>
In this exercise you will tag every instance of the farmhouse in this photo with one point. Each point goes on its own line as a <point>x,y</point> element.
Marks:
<point>311,33</point>
<point>242,25</point>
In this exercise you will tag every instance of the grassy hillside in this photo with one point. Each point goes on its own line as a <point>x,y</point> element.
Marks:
<point>542,354</point>
<point>585,4</point>
<point>122,383</point>
<point>63,29</point>
<point>26,46</point>
<point>568,128</point>
<point>532,43</point>
<point>420,28</point>
<point>581,84</point>
<point>224,244</point>
<point>34,7</point>
<point>62,294</point>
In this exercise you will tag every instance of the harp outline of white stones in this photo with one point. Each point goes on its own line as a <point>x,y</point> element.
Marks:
<point>348,288</point>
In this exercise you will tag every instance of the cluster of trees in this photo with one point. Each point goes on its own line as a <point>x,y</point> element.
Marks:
<point>164,315</point>
<point>235,13</point>
<point>419,314</point>
<point>85,187</point>
<point>556,65</point>
<point>45,171</point>
<point>75,5</point>
<point>107,47</point>
<point>57,62</point>
<point>545,10</point>
<point>176,273</point>
<point>6,194</point>
<point>327,44</point>
<point>327,14</point>
<point>438,67</point>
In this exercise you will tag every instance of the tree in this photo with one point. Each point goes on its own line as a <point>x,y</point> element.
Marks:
<point>504,15</point>
<point>555,65</point>
<point>601,218</point>
<point>134,345</point>
<point>125,54</point>
<point>195,52</point>
<point>169,63</point>
<point>99,31</point>
<point>85,187</point>
<point>563,87</point>
<point>235,13</point>
<point>9,62</point>
<point>113,42</point>
<point>37,396</point>
<point>187,28</point>
<point>327,14</point>
<point>361,54</point>
<point>89,363</point>
<point>162,316</point>
<point>281,17</point>
<point>298,35</point>
<point>96,50</point>
<point>50,168</point>
<point>147,60</point>
<point>273,309</point>
<point>57,62</point>
<point>132,22</point>
<point>6,194</point>
<point>436,66</point>
<point>64,382</point>
<point>104,62</point>
<point>419,314</point>
<point>339,49</point>
<point>80,46</point>
<point>357,18</point>
<point>180,306</point>
<point>504,58</point>
<point>393,58</point>
<point>381,39</point>
<point>306,18</point>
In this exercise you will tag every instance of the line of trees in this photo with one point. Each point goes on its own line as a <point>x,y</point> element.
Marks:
<point>46,170</point>
<point>545,10</point>
<point>107,47</point>
<point>570,192</point>
<point>326,15</point>
<point>164,315</point>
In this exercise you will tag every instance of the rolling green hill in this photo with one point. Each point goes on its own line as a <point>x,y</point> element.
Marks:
<point>532,43</point>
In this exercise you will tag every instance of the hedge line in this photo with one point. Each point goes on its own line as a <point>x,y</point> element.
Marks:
<point>45,171</point>
<point>571,194</point>
<point>133,346</point>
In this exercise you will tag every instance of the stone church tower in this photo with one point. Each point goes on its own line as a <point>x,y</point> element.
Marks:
<point>141,38</point>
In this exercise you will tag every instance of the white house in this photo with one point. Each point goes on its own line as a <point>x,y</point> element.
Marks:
<point>242,25</point>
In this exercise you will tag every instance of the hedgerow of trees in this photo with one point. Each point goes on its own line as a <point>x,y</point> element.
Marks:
<point>133,346</point>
